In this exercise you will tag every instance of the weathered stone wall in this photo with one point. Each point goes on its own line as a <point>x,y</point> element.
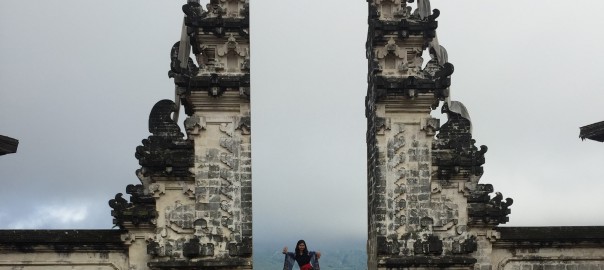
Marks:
<point>223,198</point>
<point>548,248</point>
<point>404,204</point>
<point>193,208</point>
<point>64,249</point>
<point>205,217</point>
<point>427,208</point>
<point>551,259</point>
<point>41,260</point>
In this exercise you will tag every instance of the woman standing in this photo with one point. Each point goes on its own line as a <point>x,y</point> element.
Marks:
<point>307,260</point>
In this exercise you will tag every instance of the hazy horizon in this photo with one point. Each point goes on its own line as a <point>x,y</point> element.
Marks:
<point>78,80</point>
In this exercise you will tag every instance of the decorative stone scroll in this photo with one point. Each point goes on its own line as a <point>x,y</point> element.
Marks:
<point>482,210</point>
<point>222,16</point>
<point>182,76</point>
<point>165,153</point>
<point>219,39</point>
<point>454,151</point>
<point>140,209</point>
<point>399,9</point>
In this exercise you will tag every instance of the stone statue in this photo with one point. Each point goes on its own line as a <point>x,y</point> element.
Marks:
<point>433,65</point>
<point>193,9</point>
<point>423,10</point>
<point>439,58</point>
<point>440,53</point>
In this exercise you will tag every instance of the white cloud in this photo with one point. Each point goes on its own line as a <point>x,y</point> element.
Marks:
<point>527,89</point>
<point>52,216</point>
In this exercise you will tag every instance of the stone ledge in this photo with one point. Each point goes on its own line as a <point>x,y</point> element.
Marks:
<point>62,240</point>
<point>242,263</point>
<point>8,145</point>
<point>427,261</point>
<point>593,132</point>
<point>551,236</point>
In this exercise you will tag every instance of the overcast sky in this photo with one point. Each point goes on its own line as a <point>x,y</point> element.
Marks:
<point>79,78</point>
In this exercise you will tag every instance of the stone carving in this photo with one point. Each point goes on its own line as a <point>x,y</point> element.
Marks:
<point>153,248</point>
<point>161,154</point>
<point>193,248</point>
<point>165,247</point>
<point>221,17</point>
<point>484,210</point>
<point>223,188</point>
<point>194,10</point>
<point>465,246</point>
<point>220,41</point>
<point>454,151</point>
<point>194,124</point>
<point>430,125</point>
<point>430,245</point>
<point>445,212</point>
<point>391,10</point>
<point>228,8</point>
<point>439,52</point>
<point>415,218</point>
<point>244,124</point>
<point>180,215</point>
<point>165,152</point>
<point>493,212</point>
<point>393,58</point>
<point>217,83</point>
<point>438,61</point>
<point>232,55</point>
<point>181,76</point>
<point>404,10</point>
<point>119,203</point>
<point>138,195</point>
<point>140,209</point>
<point>157,189</point>
<point>423,9</point>
<point>399,71</point>
<point>217,62</point>
<point>245,11</point>
<point>480,194</point>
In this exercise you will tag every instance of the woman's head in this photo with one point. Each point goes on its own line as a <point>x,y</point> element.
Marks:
<point>301,247</point>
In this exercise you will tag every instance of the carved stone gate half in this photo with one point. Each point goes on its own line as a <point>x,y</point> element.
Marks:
<point>193,208</point>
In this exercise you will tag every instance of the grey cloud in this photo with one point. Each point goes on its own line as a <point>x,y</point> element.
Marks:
<point>77,82</point>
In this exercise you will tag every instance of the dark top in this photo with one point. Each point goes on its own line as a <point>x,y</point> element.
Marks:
<point>302,259</point>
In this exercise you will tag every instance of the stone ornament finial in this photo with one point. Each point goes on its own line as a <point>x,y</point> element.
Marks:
<point>165,152</point>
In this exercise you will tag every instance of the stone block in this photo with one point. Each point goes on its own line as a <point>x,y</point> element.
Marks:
<point>486,267</point>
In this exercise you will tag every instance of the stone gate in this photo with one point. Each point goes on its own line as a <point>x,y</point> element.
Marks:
<point>427,206</point>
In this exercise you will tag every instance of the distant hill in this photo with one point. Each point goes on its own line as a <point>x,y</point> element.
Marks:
<point>338,258</point>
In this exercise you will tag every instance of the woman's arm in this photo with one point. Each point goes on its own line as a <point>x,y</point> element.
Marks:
<point>314,259</point>
<point>291,254</point>
<point>288,264</point>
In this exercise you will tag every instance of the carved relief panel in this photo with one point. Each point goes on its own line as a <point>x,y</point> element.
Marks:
<point>229,55</point>
<point>408,176</point>
<point>392,9</point>
<point>211,217</point>
<point>223,184</point>
<point>228,8</point>
<point>395,58</point>
<point>422,216</point>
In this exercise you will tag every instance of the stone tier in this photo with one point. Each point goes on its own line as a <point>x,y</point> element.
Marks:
<point>61,240</point>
